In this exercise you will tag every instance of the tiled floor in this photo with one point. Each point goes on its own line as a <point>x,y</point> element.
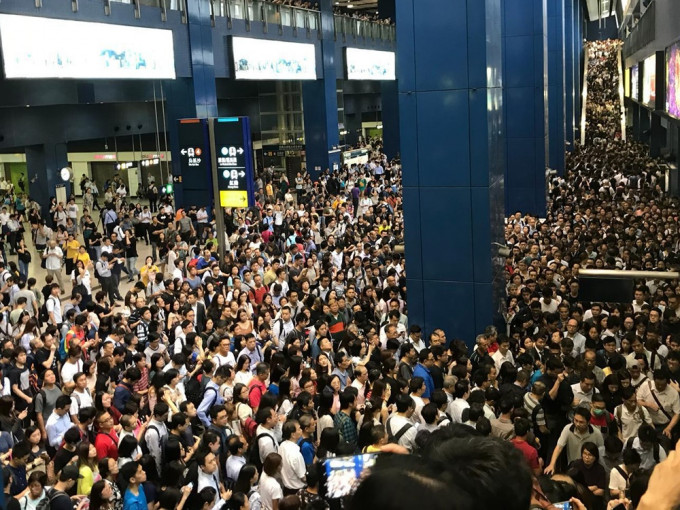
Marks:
<point>39,273</point>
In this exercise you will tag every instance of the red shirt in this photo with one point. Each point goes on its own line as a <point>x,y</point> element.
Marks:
<point>106,445</point>
<point>256,389</point>
<point>529,452</point>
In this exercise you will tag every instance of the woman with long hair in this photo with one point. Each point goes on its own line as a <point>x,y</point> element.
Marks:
<point>101,496</point>
<point>247,484</point>
<point>108,470</point>
<point>87,467</point>
<point>242,406</point>
<point>243,373</point>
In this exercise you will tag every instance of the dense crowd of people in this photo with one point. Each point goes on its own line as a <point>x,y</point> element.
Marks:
<point>288,375</point>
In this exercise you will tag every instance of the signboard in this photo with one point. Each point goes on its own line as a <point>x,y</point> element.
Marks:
<point>232,161</point>
<point>39,47</point>
<point>283,150</point>
<point>649,81</point>
<point>370,64</point>
<point>261,59</point>
<point>194,153</point>
<point>635,82</point>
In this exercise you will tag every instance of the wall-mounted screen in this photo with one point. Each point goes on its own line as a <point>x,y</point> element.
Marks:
<point>37,47</point>
<point>649,80</point>
<point>260,59</point>
<point>626,83</point>
<point>673,80</point>
<point>635,81</point>
<point>370,64</point>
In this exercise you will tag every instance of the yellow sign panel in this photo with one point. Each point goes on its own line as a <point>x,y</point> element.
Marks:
<point>233,198</point>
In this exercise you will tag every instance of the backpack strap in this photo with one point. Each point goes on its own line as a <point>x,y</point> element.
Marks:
<point>401,432</point>
<point>658,402</point>
<point>623,474</point>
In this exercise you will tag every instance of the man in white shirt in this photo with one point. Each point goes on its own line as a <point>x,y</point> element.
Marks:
<point>630,415</point>
<point>292,463</point>
<point>266,419</point>
<point>236,460</point>
<point>576,337</point>
<point>503,354</point>
<point>81,396</point>
<point>53,260</point>
<point>662,402</point>
<point>459,404</point>
<point>224,356</point>
<point>59,421</point>
<point>584,390</point>
<point>400,427</point>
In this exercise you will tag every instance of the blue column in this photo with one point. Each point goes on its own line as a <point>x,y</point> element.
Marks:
<point>452,148</point>
<point>525,45</point>
<point>43,163</point>
<point>569,89</point>
<point>556,87</point>
<point>390,117</point>
<point>320,103</point>
<point>193,98</point>
<point>578,59</point>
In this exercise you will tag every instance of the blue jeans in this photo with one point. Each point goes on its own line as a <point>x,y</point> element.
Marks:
<point>23,270</point>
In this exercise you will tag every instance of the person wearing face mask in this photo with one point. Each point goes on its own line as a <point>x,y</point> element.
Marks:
<point>601,418</point>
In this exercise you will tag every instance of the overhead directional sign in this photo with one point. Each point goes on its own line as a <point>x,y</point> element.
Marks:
<point>232,161</point>
<point>193,144</point>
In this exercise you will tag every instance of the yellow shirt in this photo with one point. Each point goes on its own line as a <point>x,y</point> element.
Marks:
<point>85,257</point>
<point>145,272</point>
<point>72,249</point>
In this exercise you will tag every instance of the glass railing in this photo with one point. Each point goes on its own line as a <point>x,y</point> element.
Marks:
<point>267,13</point>
<point>176,5</point>
<point>352,29</point>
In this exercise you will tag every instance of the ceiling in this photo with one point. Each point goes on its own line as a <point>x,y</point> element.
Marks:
<point>598,9</point>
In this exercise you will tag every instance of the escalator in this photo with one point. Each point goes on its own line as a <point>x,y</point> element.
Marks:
<point>603,113</point>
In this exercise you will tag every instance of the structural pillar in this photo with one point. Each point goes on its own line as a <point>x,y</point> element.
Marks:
<point>390,118</point>
<point>570,89</point>
<point>320,104</point>
<point>525,44</point>
<point>194,97</point>
<point>452,148</point>
<point>556,86</point>
<point>44,162</point>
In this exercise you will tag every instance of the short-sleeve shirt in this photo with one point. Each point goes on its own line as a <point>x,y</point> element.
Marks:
<point>529,452</point>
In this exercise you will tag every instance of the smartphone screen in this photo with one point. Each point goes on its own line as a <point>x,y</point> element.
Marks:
<point>563,505</point>
<point>343,474</point>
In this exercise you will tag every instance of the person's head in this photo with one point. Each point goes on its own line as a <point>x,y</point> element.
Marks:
<point>36,484</point>
<point>206,461</point>
<point>272,464</point>
<point>68,477</point>
<point>581,419</point>
<point>132,473</point>
<point>589,453</point>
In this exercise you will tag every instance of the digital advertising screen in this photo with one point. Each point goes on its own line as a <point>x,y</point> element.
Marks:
<point>260,59</point>
<point>673,80</point>
<point>36,47</point>
<point>370,64</point>
<point>626,83</point>
<point>649,80</point>
<point>635,81</point>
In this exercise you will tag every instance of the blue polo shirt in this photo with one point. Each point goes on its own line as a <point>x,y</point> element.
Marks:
<point>422,371</point>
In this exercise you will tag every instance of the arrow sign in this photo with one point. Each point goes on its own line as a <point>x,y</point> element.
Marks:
<point>183,152</point>
<point>242,174</point>
<point>240,150</point>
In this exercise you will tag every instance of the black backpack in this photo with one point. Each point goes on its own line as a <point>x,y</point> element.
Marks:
<point>254,451</point>
<point>629,445</point>
<point>145,447</point>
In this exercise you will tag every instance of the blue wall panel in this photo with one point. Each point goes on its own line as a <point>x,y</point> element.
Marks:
<point>444,154</point>
<point>525,105</point>
<point>452,139</point>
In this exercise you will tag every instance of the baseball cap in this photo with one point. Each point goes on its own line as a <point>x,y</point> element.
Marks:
<point>69,473</point>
